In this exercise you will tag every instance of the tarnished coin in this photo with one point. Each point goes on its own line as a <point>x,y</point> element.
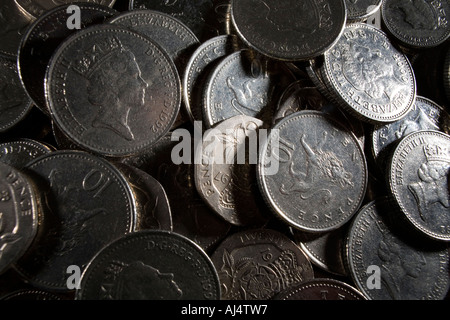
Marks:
<point>243,84</point>
<point>18,153</point>
<point>417,24</point>
<point>191,216</point>
<point>87,203</point>
<point>368,76</point>
<point>150,265</point>
<point>36,8</point>
<point>153,209</point>
<point>169,32</point>
<point>225,173</point>
<point>43,37</point>
<point>13,24</point>
<point>289,30</point>
<point>387,263</point>
<point>425,115</point>
<point>200,64</point>
<point>257,264</point>
<point>321,289</point>
<point>15,104</point>
<point>358,10</point>
<point>418,178</point>
<point>112,91</point>
<point>312,172</point>
<point>201,16</point>
<point>19,220</point>
<point>325,250</point>
<point>298,97</point>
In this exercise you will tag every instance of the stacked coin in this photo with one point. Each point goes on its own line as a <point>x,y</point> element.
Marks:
<point>227,149</point>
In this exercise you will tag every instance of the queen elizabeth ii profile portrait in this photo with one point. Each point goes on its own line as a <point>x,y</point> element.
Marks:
<point>114,87</point>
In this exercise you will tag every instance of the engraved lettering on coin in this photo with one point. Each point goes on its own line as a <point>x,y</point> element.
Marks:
<point>153,264</point>
<point>410,268</point>
<point>418,179</point>
<point>131,279</point>
<point>113,91</point>
<point>86,204</point>
<point>289,30</point>
<point>417,23</point>
<point>320,161</point>
<point>258,264</point>
<point>425,115</point>
<point>368,76</point>
<point>41,40</point>
<point>18,215</point>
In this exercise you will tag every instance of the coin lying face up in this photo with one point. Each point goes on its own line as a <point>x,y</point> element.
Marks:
<point>368,76</point>
<point>18,215</point>
<point>150,265</point>
<point>112,91</point>
<point>312,172</point>
<point>86,204</point>
<point>418,179</point>
<point>417,24</point>
<point>407,269</point>
<point>257,264</point>
<point>289,29</point>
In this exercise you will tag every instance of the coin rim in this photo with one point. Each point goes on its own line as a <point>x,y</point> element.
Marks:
<point>392,183</point>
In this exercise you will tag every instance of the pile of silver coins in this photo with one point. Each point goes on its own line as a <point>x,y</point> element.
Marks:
<point>224,150</point>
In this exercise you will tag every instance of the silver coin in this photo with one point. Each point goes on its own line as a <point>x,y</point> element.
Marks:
<point>170,33</point>
<point>112,91</point>
<point>13,24</point>
<point>150,265</point>
<point>243,84</point>
<point>300,97</point>
<point>15,104</point>
<point>153,208</point>
<point>310,159</point>
<point>41,40</point>
<point>325,250</point>
<point>35,8</point>
<point>225,175</point>
<point>257,264</point>
<point>18,153</point>
<point>289,30</point>
<point>425,115</point>
<point>417,24</point>
<point>191,216</point>
<point>19,220</point>
<point>358,10</point>
<point>369,77</point>
<point>86,203</point>
<point>197,70</point>
<point>321,289</point>
<point>204,17</point>
<point>387,263</point>
<point>418,178</point>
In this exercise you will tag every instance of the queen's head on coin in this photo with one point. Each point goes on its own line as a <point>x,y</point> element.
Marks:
<point>114,86</point>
